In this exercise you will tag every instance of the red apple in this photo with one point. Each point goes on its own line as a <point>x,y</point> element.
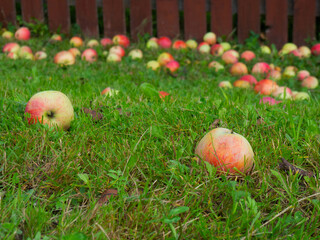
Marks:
<point>22,34</point>
<point>64,58</point>
<point>242,84</point>
<point>204,48</point>
<point>50,107</point>
<point>164,58</point>
<point>230,57</point>
<point>249,78</point>
<point>89,55</point>
<point>248,55</point>
<point>226,150</point>
<point>179,44</point>
<point>269,100</point>
<point>216,66</point>
<point>265,87</point>
<point>310,82</point>
<point>11,47</point>
<point>106,42</point>
<point>303,74</point>
<point>76,42</point>
<point>315,50</point>
<point>56,37</point>
<point>40,55</point>
<point>274,75</point>
<point>261,68</point>
<point>109,92</point>
<point>122,40</point>
<point>117,50</point>
<point>225,84</point>
<point>172,66</point>
<point>75,52</point>
<point>164,42</point>
<point>216,49</point>
<point>282,92</point>
<point>210,38</point>
<point>163,94</point>
<point>238,68</point>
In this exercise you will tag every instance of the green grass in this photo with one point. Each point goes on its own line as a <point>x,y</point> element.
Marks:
<point>51,181</point>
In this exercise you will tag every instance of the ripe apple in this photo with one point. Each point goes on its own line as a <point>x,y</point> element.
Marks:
<point>248,55</point>
<point>242,84</point>
<point>265,87</point>
<point>261,68</point>
<point>288,47</point>
<point>22,34</point>
<point>210,38</point>
<point>282,92</point>
<point>75,52</point>
<point>136,54</point>
<point>92,43</point>
<point>226,150</point>
<point>226,46</point>
<point>249,78</point>
<point>179,44</point>
<point>225,84</point>
<point>216,49</point>
<point>310,82</point>
<point>164,42</point>
<point>274,75</point>
<point>303,74</point>
<point>56,37</point>
<point>12,55</point>
<point>122,40</point>
<point>106,42</point>
<point>301,96</point>
<point>315,49</point>
<point>64,58</point>
<point>11,47</point>
<point>192,44</point>
<point>24,51</point>
<point>216,66</point>
<point>172,66</point>
<point>152,43</point>
<point>204,48</point>
<point>230,57</point>
<point>268,100</point>
<point>7,35</point>
<point>76,42</point>
<point>113,57</point>
<point>265,49</point>
<point>50,107</point>
<point>163,94</point>
<point>305,51</point>
<point>164,58</point>
<point>238,68</point>
<point>109,92</point>
<point>289,71</point>
<point>153,64</point>
<point>117,50</point>
<point>89,55</point>
<point>40,55</point>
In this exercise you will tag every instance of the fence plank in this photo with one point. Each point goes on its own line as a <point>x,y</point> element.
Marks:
<point>58,16</point>
<point>140,18</point>
<point>221,17</point>
<point>277,22</point>
<point>248,18</point>
<point>113,18</point>
<point>87,17</point>
<point>304,20</point>
<point>7,12</point>
<point>168,18</point>
<point>195,21</point>
<point>32,9</point>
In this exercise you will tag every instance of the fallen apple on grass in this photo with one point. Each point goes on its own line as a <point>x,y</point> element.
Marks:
<point>7,35</point>
<point>164,58</point>
<point>122,40</point>
<point>64,58</point>
<point>210,38</point>
<point>109,92</point>
<point>106,42</point>
<point>226,150</point>
<point>76,41</point>
<point>50,107</point>
<point>89,55</point>
<point>310,82</point>
<point>135,54</point>
<point>153,64</point>
<point>22,34</point>
<point>164,42</point>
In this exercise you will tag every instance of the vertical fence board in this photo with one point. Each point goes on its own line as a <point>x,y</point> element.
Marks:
<point>221,17</point>
<point>7,12</point>
<point>277,22</point>
<point>87,17</point>
<point>248,18</point>
<point>32,9</point>
<point>195,21</point>
<point>113,18</point>
<point>304,20</point>
<point>168,18</point>
<point>58,15</point>
<point>140,18</point>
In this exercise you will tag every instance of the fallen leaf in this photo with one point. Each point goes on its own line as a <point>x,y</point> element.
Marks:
<point>106,195</point>
<point>96,116</point>
<point>286,166</point>
<point>216,123</point>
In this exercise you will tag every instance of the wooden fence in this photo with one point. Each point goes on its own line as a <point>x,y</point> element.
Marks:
<point>168,17</point>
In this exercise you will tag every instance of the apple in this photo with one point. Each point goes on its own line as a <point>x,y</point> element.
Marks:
<point>89,55</point>
<point>106,42</point>
<point>216,66</point>
<point>288,47</point>
<point>242,84</point>
<point>238,68</point>
<point>282,93</point>
<point>210,38</point>
<point>315,49</point>
<point>249,78</point>
<point>164,58</point>
<point>40,55</point>
<point>12,55</point>
<point>172,66</point>
<point>265,87</point>
<point>109,92</point>
<point>248,55</point>
<point>179,44</point>
<point>305,51</point>
<point>92,43</point>
<point>301,96</point>
<point>204,48</point>
<point>56,37</point>
<point>22,34</point>
<point>192,44</point>
<point>310,82</point>
<point>302,74</point>
<point>230,57</point>
<point>295,53</point>
<point>113,57</point>
<point>268,100</point>
<point>153,64</point>
<point>7,35</point>
<point>163,94</point>
<point>164,42</point>
<point>225,84</point>
<point>216,49</point>
<point>265,49</point>
<point>289,72</point>
<point>152,43</point>
<point>226,46</point>
<point>226,150</point>
<point>76,42</point>
<point>64,58</point>
<point>24,51</point>
<point>136,54</point>
<point>11,47</point>
<point>75,52</point>
<point>274,75</point>
<point>122,40</point>
<point>117,50</point>
<point>261,68</point>
<point>50,107</point>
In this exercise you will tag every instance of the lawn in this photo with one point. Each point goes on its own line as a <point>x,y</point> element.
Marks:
<point>132,173</point>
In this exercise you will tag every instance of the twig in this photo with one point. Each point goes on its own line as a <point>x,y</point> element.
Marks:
<point>285,165</point>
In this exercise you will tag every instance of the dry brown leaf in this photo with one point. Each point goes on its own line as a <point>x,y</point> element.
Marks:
<point>96,116</point>
<point>106,195</point>
<point>216,123</point>
<point>285,165</point>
